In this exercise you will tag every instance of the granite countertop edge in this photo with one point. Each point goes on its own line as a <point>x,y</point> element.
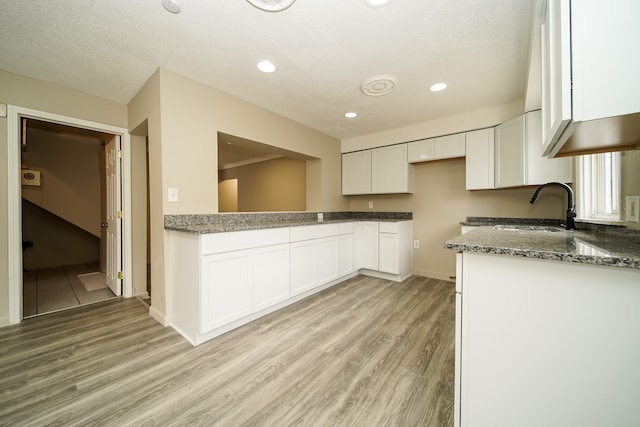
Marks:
<point>611,246</point>
<point>222,223</point>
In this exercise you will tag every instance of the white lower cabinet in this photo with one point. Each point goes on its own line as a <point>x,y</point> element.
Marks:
<point>545,343</point>
<point>388,254</point>
<point>220,281</point>
<point>369,247</point>
<point>227,291</point>
<point>313,263</point>
<point>387,250</point>
<point>346,249</point>
<point>270,276</point>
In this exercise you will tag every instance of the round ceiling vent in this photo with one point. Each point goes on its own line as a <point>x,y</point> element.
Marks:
<point>272,5</point>
<point>378,85</point>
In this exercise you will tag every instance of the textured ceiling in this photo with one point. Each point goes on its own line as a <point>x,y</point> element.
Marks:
<point>324,50</point>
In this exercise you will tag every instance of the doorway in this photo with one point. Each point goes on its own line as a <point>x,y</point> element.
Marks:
<point>65,209</point>
<point>15,123</point>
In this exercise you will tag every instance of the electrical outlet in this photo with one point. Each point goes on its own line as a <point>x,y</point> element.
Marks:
<point>172,194</point>
<point>370,204</point>
<point>320,217</point>
<point>632,208</point>
<point>416,244</point>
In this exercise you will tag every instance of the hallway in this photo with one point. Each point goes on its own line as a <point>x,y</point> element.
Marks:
<point>52,289</point>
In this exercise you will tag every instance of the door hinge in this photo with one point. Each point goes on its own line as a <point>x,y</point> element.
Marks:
<point>120,275</point>
<point>119,214</point>
<point>120,153</point>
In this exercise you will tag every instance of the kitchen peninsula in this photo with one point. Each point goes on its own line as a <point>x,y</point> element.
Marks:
<point>547,325</point>
<point>230,269</point>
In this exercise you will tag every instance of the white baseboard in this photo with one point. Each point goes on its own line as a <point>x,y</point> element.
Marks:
<point>434,275</point>
<point>158,316</point>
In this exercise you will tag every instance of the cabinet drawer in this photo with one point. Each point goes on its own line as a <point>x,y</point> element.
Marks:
<point>238,240</point>
<point>309,232</point>
<point>389,227</point>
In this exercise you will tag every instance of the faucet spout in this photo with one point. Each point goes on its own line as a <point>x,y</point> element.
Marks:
<point>571,207</point>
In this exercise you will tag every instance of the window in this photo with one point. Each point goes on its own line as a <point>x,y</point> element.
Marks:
<point>598,186</point>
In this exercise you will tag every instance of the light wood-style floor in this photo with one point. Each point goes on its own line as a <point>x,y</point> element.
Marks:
<point>367,352</point>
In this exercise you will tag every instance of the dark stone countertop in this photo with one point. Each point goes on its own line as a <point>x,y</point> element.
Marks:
<point>227,222</point>
<point>591,244</point>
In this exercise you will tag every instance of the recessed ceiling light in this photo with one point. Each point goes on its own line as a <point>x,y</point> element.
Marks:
<point>266,66</point>
<point>271,5</point>
<point>171,5</point>
<point>350,115</point>
<point>376,3</point>
<point>438,87</point>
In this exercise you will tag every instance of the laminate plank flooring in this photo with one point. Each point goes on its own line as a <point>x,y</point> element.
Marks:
<point>367,352</point>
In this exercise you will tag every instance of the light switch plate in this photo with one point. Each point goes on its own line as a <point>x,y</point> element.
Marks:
<point>632,208</point>
<point>3,110</point>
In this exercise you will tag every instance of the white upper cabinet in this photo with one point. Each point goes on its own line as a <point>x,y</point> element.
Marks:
<point>390,171</point>
<point>383,170</point>
<point>480,159</point>
<point>450,146</point>
<point>539,169</point>
<point>442,147</point>
<point>590,72</point>
<point>356,172</point>
<point>514,158</point>
<point>509,153</point>
<point>421,151</point>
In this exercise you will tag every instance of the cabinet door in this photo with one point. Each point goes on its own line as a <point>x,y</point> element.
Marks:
<point>420,151</point>
<point>540,169</point>
<point>509,160</point>
<point>345,254</point>
<point>390,170</point>
<point>303,274</point>
<point>388,253</point>
<point>480,159</point>
<point>326,259</point>
<point>450,146</point>
<point>556,71</point>
<point>270,275</point>
<point>370,245</point>
<point>356,172</point>
<point>226,289</point>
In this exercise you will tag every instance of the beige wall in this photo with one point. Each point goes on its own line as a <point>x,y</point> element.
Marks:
<point>29,93</point>
<point>440,202</point>
<point>56,242</point>
<point>139,213</point>
<point>70,177</point>
<point>184,118</point>
<point>270,186</point>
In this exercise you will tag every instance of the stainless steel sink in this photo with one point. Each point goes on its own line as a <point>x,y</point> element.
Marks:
<point>516,227</point>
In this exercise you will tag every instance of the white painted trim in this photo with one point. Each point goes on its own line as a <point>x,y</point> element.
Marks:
<point>158,316</point>
<point>14,194</point>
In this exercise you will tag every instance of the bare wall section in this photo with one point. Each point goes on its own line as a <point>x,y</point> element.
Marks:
<point>270,186</point>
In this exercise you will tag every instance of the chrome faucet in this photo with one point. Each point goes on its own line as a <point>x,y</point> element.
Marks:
<point>571,207</point>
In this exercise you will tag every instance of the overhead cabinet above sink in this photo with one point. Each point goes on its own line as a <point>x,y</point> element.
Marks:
<point>590,69</point>
<point>383,170</point>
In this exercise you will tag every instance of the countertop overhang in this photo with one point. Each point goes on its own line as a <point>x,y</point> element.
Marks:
<point>228,222</point>
<point>615,247</point>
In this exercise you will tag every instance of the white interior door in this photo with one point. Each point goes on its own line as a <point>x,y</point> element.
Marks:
<point>114,224</point>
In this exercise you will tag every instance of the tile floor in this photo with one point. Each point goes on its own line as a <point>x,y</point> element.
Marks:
<point>59,288</point>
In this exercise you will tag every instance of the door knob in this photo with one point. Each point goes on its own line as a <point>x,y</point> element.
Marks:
<point>104,225</point>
